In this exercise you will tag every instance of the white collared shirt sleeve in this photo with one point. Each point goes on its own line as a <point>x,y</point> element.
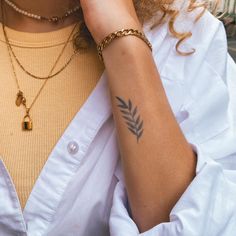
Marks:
<point>208,206</point>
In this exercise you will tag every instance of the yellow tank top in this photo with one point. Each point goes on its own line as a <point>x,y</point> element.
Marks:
<point>25,152</point>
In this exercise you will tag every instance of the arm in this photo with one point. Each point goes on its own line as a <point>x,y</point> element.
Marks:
<point>159,164</point>
<point>207,207</point>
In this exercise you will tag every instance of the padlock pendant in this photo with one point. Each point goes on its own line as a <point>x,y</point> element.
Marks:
<point>27,124</point>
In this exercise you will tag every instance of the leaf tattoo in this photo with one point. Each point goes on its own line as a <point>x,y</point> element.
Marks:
<point>133,120</point>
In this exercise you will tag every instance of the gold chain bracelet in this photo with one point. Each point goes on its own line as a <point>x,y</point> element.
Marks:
<point>120,33</point>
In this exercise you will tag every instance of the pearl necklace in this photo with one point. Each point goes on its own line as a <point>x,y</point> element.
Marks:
<point>53,19</point>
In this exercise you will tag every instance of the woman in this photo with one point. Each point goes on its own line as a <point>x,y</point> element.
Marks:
<point>162,164</point>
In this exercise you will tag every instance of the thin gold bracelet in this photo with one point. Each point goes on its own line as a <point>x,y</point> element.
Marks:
<point>120,33</point>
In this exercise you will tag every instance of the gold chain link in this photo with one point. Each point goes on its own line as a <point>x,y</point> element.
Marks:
<point>31,74</point>
<point>120,33</point>
<point>54,65</point>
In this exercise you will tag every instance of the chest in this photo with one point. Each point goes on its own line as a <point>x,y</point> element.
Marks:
<point>55,107</point>
<point>77,177</point>
<point>73,192</point>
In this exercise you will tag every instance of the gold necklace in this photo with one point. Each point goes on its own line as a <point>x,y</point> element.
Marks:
<point>27,124</point>
<point>16,45</point>
<point>53,19</point>
<point>22,67</point>
<point>29,73</point>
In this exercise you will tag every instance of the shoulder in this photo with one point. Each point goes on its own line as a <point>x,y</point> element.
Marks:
<point>208,40</point>
<point>202,78</point>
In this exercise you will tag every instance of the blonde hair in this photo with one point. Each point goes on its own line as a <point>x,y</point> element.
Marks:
<point>146,10</point>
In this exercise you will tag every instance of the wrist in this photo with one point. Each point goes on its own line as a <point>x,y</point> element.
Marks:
<point>125,49</point>
<point>100,32</point>
<point>117,35</point>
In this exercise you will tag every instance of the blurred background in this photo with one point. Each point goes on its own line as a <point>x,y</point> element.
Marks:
<point>225,10</point>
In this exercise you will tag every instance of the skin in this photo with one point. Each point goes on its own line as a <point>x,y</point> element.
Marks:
<point>40,7</point>
<point>160,164</point>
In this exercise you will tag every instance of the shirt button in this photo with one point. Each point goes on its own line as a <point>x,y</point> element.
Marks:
<point>73,147</point>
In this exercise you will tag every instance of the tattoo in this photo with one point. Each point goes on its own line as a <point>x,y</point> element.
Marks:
<point>133,121</point>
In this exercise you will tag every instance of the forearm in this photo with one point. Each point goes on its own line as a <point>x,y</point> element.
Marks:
<point>158,163</point>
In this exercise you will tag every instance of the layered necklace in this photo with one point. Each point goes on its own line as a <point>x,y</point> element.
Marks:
<point>27,123</point>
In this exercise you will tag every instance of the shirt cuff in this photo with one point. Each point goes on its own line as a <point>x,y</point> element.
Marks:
<point>207,207</point>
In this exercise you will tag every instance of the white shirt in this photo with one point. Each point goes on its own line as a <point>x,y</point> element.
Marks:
<point>81,191</point>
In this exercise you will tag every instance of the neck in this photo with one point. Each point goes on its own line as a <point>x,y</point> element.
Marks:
<point>47,8</point>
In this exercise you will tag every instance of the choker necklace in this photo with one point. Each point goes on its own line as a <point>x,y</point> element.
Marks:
<point>53,19</point>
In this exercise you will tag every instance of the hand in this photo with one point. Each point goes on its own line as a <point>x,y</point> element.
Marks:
<point>103,17</point>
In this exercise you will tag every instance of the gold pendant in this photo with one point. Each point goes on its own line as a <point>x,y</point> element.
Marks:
<point>19,98</point>
<point>27,124</point>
